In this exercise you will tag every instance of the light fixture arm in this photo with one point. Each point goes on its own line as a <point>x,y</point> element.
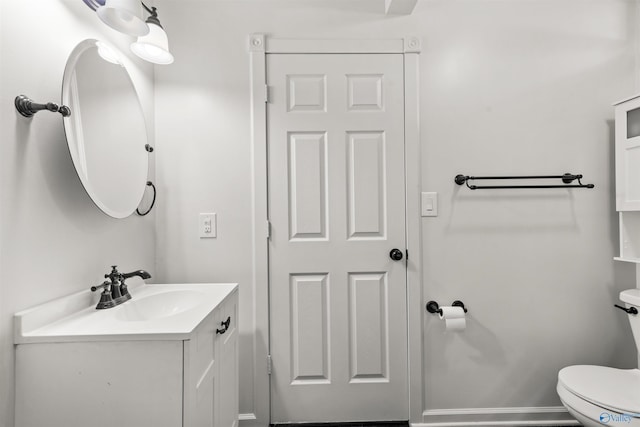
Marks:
<point>28,108</point>
<point>153,12</point>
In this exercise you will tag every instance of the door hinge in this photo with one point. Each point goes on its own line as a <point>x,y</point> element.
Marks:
<point>267,94</point>
<point>268,229</point>
<point>268,364</point>
<point>407,253</point>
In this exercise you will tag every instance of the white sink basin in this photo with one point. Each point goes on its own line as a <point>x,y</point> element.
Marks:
<point>155,306</point>
<point>165,311</point>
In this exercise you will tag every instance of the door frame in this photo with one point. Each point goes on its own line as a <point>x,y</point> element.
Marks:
<point>259,46</point>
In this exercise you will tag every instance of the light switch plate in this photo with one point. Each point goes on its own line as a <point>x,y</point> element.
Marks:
<point>429,204</point>
<point>207,225</point>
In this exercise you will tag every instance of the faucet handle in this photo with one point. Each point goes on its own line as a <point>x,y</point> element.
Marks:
<point>104,285</point>
<point>106,301</point>
<point>115,275</point>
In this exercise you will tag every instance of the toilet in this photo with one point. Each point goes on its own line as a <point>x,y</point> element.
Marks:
<point>598,395</point>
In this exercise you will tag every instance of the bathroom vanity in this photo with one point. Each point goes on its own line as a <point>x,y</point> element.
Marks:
<point>166,358</point>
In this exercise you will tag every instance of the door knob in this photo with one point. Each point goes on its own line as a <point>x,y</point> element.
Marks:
<point>395,254</point>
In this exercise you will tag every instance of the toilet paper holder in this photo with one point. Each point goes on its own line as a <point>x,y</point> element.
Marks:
<point>434,308</point>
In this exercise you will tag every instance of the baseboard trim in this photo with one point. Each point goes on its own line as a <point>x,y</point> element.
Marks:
<point>247,420</point>
<point>514,423</point>
<point>483,411</point>
<point>345,424</point>
<point>513,416</point>
<point>465,417</point>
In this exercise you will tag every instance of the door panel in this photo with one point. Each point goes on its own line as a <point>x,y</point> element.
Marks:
<point>336,206</point>
<point>307,185</point>
<point>309,328</point>
<point>368,320</point>
<point>365,173</point>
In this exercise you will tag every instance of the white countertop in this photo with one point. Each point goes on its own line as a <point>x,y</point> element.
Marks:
<point>74,318</point>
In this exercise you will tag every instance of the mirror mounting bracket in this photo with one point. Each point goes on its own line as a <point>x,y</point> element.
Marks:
<point>28,108</point>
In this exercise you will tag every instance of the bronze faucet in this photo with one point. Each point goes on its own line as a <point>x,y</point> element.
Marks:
<point>115,290</point>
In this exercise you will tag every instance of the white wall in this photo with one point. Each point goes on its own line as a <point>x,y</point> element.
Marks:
<point>507,87</point>
<point>524,88</point>
<point>53,240</point>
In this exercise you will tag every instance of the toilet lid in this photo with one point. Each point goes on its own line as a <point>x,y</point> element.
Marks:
<point>610,388</point>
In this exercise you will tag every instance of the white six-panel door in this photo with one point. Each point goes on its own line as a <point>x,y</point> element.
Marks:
<point>338,331</point>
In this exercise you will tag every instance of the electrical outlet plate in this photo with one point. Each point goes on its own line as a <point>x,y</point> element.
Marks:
<point>207,225</point>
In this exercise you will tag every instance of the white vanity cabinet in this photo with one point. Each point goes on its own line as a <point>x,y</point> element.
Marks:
<point>172,379</point>
<point>627,164</point>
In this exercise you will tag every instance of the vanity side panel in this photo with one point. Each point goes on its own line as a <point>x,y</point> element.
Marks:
<point>227,401</point>
<point>211,369</point>
<point>99,384</point>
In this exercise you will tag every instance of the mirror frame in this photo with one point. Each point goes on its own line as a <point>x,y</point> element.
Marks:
<point>72,61</point>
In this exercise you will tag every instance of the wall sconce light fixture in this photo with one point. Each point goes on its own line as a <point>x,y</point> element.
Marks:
<point>153,47</point>
<point>125,16</point>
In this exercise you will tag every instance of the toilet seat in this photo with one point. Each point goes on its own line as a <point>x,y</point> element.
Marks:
<point>617,390</point>
<point>590,415</point>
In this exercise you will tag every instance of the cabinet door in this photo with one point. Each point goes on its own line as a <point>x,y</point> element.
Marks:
<point>227,347</point>
<point>628,155</point>
<point>200,375</point>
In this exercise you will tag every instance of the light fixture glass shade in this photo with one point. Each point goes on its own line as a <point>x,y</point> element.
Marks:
<point>124,16</point>
<point>154,47</point>
<point>107,53</point>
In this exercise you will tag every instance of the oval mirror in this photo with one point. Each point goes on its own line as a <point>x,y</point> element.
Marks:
<point>106,132</point>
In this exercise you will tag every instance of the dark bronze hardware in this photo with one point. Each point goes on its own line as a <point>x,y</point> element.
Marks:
<point>153,202</point>
<point>106,300</point>
<point>140,273</point>
<point>433,307</point>
<point>395,254</point>
<point>28,108</point>
<point>567,178</point>
<point>115,289</point>
<point>458,303</point>
<point>104,284</point>
<point>225,326</point>
<point>631,310</point>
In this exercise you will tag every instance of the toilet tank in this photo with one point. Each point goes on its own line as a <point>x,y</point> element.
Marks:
<point>631,297</point>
